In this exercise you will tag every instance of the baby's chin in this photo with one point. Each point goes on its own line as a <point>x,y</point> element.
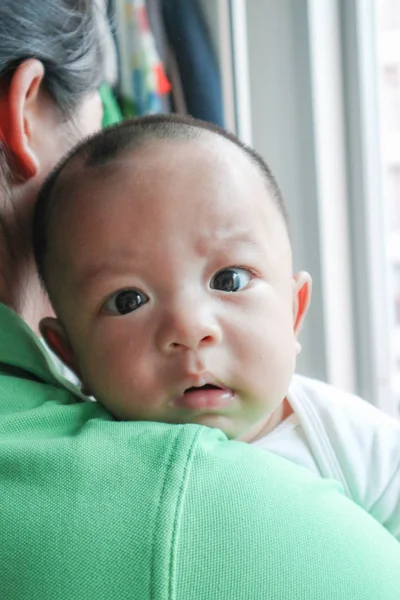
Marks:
<point>231,427</point>
<point>216,421</point>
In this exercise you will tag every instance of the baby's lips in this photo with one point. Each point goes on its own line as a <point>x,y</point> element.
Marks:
<point>207,397</point>
<point>200,380</point>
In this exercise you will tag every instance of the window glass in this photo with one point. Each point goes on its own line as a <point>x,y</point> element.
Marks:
<point>388,45</point>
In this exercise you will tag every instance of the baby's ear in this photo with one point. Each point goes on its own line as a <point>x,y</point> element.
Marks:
<point>302,284</point>
<point>55,337</point>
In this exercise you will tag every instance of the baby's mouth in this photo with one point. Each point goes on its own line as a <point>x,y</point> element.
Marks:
<point>208,397</point>
<point>207,386</point>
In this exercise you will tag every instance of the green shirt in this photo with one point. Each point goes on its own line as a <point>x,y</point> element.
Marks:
<point>95,509</point>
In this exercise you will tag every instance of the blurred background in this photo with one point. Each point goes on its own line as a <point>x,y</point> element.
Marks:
<point>314,86</point>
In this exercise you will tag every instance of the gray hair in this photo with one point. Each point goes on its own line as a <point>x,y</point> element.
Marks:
<point>67,36</point>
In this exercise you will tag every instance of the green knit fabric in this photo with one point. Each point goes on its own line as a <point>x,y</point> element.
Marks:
<point>95,509</point>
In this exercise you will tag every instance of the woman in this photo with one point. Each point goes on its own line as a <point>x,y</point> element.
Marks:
<point>51,65</point>
<point>94,509</point>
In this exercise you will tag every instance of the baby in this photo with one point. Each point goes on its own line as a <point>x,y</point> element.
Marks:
<point>164,246</point>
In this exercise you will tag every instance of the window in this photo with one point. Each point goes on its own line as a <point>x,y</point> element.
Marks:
<point>387,15</point>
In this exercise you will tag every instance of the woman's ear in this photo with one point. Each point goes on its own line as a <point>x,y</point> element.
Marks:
<point>55,337</point>
<point>302,284</point>
<point>21,109</point>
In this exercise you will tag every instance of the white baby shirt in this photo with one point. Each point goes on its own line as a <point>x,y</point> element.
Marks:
<point>339,436</point>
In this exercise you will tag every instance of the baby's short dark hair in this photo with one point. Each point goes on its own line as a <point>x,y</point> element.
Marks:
<point>103,147</point>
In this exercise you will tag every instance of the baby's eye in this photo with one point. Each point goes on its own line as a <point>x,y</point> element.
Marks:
<point>125,302</point>
<point>230,280</point>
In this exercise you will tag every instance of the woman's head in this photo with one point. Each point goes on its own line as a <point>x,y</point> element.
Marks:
<point>63,43</point>
<point>64,36</point>
<point>52,62</point>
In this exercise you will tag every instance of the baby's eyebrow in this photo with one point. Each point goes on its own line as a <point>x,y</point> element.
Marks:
<point>222,240</point>
<point>88,274</point>
<point>233,235</point>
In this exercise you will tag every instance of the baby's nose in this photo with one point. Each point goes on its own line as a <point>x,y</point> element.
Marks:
<point>188,328</point>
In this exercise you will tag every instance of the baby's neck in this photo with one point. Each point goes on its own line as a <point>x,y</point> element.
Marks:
<point>262,429</point>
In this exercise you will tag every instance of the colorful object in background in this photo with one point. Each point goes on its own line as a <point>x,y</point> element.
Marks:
<point>111,111</point>
<point>143,77</point>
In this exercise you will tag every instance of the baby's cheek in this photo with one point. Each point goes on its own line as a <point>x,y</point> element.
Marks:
<point>270,363</point>
<point>123,382</point>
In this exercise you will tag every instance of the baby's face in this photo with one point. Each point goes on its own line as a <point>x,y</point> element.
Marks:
<point>176,287</point>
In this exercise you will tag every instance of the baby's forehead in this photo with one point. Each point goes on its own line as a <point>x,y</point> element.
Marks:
<point>208,156</point>
<point>158,181</point>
